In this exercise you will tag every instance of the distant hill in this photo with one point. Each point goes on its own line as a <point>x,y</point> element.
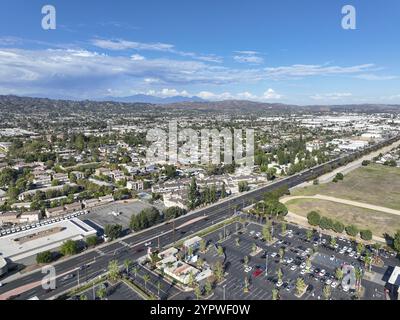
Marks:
<point>143,98</point>
<point>26,105</point>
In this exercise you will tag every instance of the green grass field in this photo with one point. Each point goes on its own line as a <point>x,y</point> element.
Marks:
<point>378,222</point>
<point>374,184</point>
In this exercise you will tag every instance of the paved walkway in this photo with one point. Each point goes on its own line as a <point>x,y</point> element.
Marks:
<point>344,201</point>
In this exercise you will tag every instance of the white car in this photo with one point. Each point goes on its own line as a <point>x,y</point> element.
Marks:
<point>322,273</point>
<point>323,241</point>
<point>344,248</point>
<point>147,244</point>
<point>334,284</point>
<point>289,260</point>
<point>336,246</point>
<point>315,244</point>
<point>304,253</point>
<point>248,269</point>
<point>273,254</point>
<point>1,284</point>
<point>303,271</point>
<point>351,254</point>
<point>328,281</point>
<point>252,232</point>
<point>341,251</point>
<point>332,257</point>
<point>279,284</point>
<point>345,289</point>
<point>349,250</point>
<point>293,267</point>
<point>258,235</point>
<point>290,235</point>
<point>303,265</point>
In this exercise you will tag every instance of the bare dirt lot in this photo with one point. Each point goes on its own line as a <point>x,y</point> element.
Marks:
<point>378,222</point>
<point>374,184</point>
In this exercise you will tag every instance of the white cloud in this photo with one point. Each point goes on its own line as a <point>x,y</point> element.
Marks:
<point>250,57</point>
<point>119,44</point>
<point>270,94</point>
<point>331,96</point>
<point>374,77</point>
<point>64,71</point>
<point>137,57</point>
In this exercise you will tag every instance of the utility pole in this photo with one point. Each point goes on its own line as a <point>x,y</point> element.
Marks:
<point>266,264</point>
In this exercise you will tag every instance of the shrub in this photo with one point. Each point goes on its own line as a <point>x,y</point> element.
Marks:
<point>366,234</point>
<point>313,218</point>
<point>338,227</point>
<point>352,230</point>
<point>44,257</point>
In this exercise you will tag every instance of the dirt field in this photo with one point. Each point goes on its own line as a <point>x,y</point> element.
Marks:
<point>374,184</point>
<point>378,222</point>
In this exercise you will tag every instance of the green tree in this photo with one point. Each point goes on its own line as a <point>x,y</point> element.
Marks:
<point>146,278</point>
<point>333,242</point>
<point>220,250</point>
<point>279,274</point>
<point>283,227</point>
<point>309,234</point>
<point>112,231</point>
<point>197,292</point>
<point>366,235</point>
<point>44,257</point>
<point>219,271</point>
<point>91,241</point>
<point>339,274</point>
<point>274,294</point>
<point>69,248</point>
<point>194,194</point>
<point>113,270</point>
<point>327,292</point>
<point>360,248</point>
<point>101,293</point>
<point>208,287</point>
<point>396,241</point>
<point>266,232</point>
<point>300,286</point>
<point>203,245</point>
<point>127,265</point>
<point>313,218</point>
<point>352,230</point>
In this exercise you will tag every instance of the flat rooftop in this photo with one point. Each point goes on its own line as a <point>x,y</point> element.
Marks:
<point>27,243</point>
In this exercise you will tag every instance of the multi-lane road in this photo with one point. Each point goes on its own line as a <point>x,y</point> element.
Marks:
<point>133,246</point>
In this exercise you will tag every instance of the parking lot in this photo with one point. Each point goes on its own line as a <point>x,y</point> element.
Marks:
<point>263,267</point>
<point>123,211</point>
<point>119,291</point>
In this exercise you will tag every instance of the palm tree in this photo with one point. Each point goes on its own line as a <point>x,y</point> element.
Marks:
<point>359,275</point>
<point>146,278</point>
<point>83,297</point>
<point>274,294</point>
<point>159,285</point>
<point>127,265</point>
<point>309,235</point>
<point>191,279</point>
<point>135,270</point>
<point>208,287</point>
<point>237,242</point>
<point>220,250</point>
<point>197,292</point>
<point>203,245</point>
<point>333,241</point>
<point>101,293</point>
<point>368,261</point>
<point>279,274</point>
<point>327,292</point>
<point>300,285</point>
<point>246,261</point>
<point>339,274</point>
<point>253,248</point>
<point>246,285</point>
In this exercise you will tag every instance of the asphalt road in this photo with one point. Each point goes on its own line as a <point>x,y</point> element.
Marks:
<point>132,247</point>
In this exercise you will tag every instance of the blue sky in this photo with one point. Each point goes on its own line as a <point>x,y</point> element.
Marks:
<point>287,51</point>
